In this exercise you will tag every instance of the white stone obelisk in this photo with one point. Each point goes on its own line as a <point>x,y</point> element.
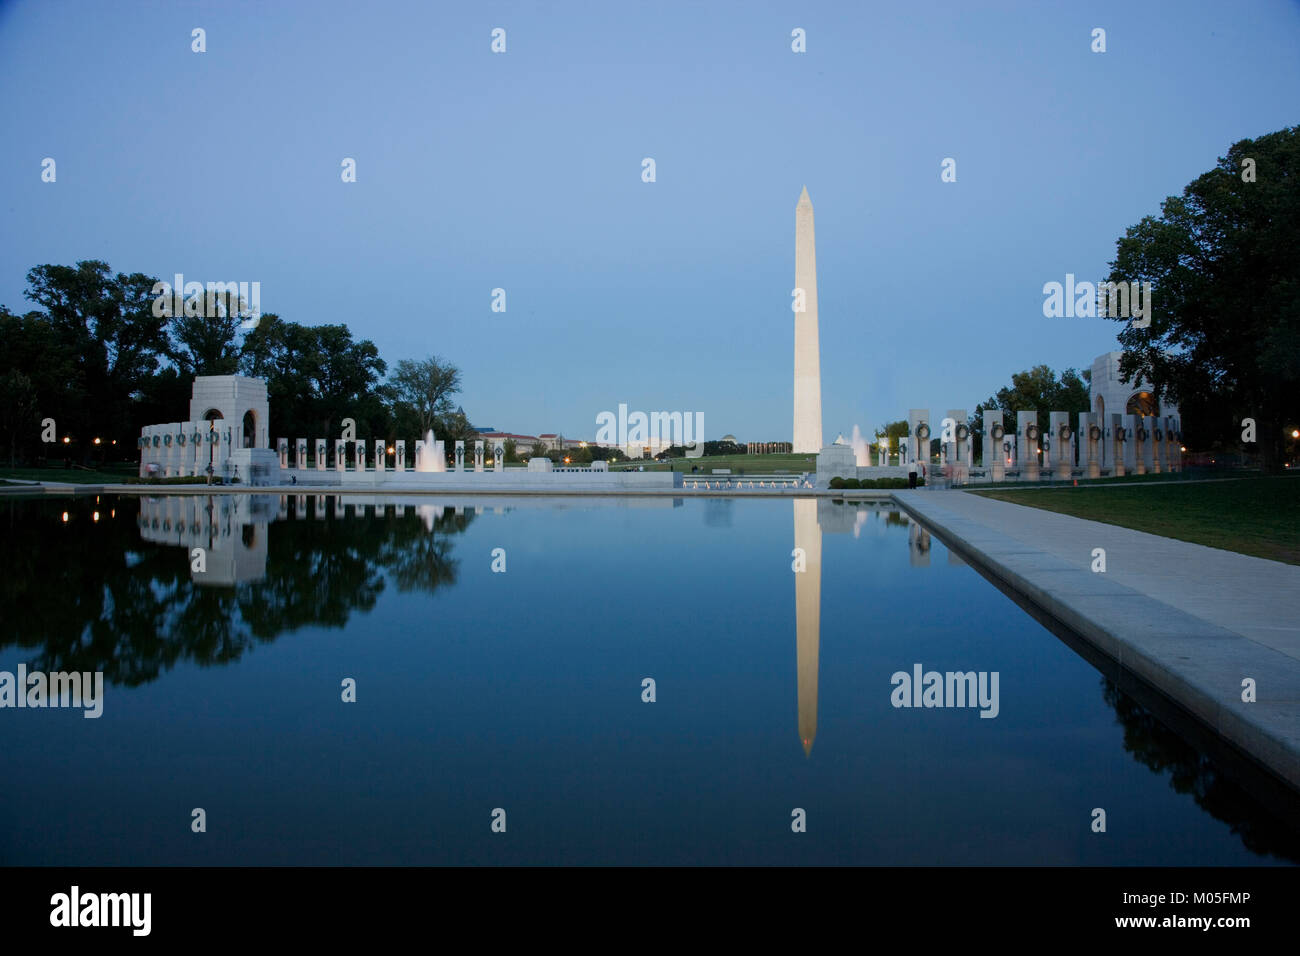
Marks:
<point>807,355</point>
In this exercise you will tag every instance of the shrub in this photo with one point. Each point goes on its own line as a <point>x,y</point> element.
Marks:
<point>837,483</point>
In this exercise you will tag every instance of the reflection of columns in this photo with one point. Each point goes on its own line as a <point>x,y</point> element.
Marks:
<point>918,546</point>
<point>808,609</point>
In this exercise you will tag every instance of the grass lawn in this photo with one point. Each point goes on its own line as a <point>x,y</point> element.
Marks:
<point>739,464</point>
<point>1256,516</point>
<point>108,475</point>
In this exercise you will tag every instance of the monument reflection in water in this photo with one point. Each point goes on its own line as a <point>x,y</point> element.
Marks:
<point>522,690</point>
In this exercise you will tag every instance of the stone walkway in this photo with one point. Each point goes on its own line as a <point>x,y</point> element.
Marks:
<point>1190,620</point>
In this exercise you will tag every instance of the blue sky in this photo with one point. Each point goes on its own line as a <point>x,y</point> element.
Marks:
<point>523,171</point>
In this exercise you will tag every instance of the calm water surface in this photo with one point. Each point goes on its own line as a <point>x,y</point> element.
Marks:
<point>522,691</point>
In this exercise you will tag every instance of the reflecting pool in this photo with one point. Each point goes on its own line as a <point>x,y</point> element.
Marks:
<point>501,652</point>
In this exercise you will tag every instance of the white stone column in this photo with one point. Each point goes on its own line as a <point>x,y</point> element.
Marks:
<point>1119,442</point>
<point>498,456</point>
<point>994,456</point>
<point>1062,444</point>
<point>1027,438</point>
<point>460,456</point>
<point>282,446</point>
<point>478,455</point>
<point>380,455</point>
<point>1130,443</point>
<point>399,460</point>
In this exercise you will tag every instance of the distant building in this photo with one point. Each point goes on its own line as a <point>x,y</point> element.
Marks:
<point>769,448</point>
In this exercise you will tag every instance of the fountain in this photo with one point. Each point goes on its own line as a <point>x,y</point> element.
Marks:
<point>429,456</point>
<point>861,449</point>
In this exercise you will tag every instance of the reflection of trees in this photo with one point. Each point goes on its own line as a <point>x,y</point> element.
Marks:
<point>418,560</point>
<point>1191,772</point>
<point>92,596</point>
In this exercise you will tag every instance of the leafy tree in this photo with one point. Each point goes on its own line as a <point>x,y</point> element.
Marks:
<point>106,323</point>
<point>17,409</point>
<point>1225,323</point>
<point>317,376</point>
<point>426,387</point>
<point>40,380</point>
<point>207,343</point>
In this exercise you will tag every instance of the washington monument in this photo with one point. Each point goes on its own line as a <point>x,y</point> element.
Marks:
<point>807,361</point>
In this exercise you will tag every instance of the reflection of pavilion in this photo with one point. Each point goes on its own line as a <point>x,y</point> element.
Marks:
<point>231,529</point>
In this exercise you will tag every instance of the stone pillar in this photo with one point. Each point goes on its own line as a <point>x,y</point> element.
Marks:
<point>340,454</point>
<point>399,461</point>
<point>460,456</point>
<point>282,447</point>
<point>960,447</point>
<point>1091,431</point>
<point>216,453</point>
<point>320,454</point>
<point>380,456</point>
<point>478,455</point>
<point>1062,444</point>
<point>1141,445</point>
<point>882,451</point>
<point>300,453</point>
<point>918,421</point>
<point>1119,440</point>
<point>994,457</point>
<point>498,456</point>
<point>1157,444</point>
<point>1027,438</point>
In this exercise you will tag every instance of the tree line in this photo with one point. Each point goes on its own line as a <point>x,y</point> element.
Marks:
<point>1223,338</point>
<point>98,358</point>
